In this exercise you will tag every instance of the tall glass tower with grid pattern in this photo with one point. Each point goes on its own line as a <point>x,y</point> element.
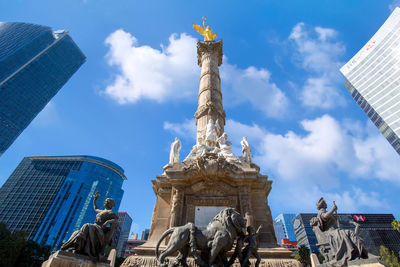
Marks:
<point>373,79</point>
<point>35,62</point>
<point>51,197</point>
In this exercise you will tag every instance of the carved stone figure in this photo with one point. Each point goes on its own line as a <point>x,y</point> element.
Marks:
<point>225,148</point>
<point>174,153</point>
<point>338,246</point>
<point>212,133</point>
<point>251,247</point>
<point>92,239</point>
<point>197,151</point>
<point>246,150</point>
<point>213,241</point>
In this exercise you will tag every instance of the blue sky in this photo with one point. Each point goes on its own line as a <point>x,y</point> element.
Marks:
<point>281,87</point>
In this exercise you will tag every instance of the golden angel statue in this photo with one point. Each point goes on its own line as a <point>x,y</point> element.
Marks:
<point>206,31</point>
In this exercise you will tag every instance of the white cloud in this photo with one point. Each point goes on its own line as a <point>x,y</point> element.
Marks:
<point>172,73</point>
<point>318,51</point>
<point>186,130</point>
<point>394,4</point>
<point>145,72</point>
<point>329,156</point>
<point>255,86</point>
<point>328,148</point>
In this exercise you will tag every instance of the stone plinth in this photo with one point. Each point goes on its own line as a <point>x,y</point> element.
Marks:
<point>136,261</point>
<point>373,261</point>
<point>69,259</point>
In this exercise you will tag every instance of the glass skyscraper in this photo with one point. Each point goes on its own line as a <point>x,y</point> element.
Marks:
<point>373,79</point>
<point>121,234</point>
<point>51,197</point>
<point>35,63</point>
<point>285,226</point>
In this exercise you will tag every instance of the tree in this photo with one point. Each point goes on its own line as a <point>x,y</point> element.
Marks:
<point>303,255</point>
<point>396,225</point>
<point>119,261</point>
<point>33,254</point>
<point>15,250</point>
<point>389,257</point>
<point>321,258</point>
<point>11,245</point>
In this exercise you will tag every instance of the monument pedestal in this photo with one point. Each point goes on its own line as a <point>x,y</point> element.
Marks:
<point>69,259</point>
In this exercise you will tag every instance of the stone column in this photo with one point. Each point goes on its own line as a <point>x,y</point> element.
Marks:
<point>176,206</point>
<point>209,57</point>
<point>245,203</point>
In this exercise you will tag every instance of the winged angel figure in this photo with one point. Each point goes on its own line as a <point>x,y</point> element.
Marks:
<point>206,31</point>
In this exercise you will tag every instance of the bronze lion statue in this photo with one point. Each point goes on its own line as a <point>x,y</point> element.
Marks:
<point>213,241</point>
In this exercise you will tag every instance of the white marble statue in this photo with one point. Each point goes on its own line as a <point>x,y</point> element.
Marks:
<point>198,150</point>
<point>174,153</point>
<point>246,150</point>
<point>225,148</point>
<point>212,133</point>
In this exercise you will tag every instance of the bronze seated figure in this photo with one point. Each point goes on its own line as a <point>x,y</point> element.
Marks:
<point>92,239</point>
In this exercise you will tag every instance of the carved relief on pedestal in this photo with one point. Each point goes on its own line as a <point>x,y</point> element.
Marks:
<point>192,201</point>
<point>176,206</point>
<point>245,203</point>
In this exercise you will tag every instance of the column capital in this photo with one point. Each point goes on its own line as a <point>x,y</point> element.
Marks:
<point>209,47</point>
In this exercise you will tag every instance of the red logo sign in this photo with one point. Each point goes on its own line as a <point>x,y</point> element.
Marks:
<point>370,45</point>
<point>359,218</point>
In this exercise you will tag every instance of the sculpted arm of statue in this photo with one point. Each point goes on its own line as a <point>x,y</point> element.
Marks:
<point>113,223</point>
<point>330,213</point>
<point>217,124</point>
<point>259,228</point>
<point>95,197</point>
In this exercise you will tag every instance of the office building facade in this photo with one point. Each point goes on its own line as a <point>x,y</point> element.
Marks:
<point>51,197</point>
<point>121,234</point>
<point>131,244</point>
<point>285,222</point>
<point>279,229</point>
<point>375,229</point>
<point>373,79</point>
<point>35,62</point>
<point>145,234</point>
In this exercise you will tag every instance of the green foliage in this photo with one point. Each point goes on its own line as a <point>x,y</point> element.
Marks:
<point>303,255</point>
<point>396,225</point>
<point>321,258</point>
<point>389,257</point>
<point>11,245</point>
<point>119,261</point>
<point>16,251</point>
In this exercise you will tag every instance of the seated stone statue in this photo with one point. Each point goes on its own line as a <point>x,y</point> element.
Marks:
<point>338,246</point>
<point>92,239</point>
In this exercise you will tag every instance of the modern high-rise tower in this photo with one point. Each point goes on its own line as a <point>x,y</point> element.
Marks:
<point>121,234</point>
<point>51,197</point>
<point>284,229</point>
<point>373,79</point>
<point>35,62</point>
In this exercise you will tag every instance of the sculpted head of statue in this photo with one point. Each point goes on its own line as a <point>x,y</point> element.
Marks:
<point>321,204</point>
<point>109,203</point>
